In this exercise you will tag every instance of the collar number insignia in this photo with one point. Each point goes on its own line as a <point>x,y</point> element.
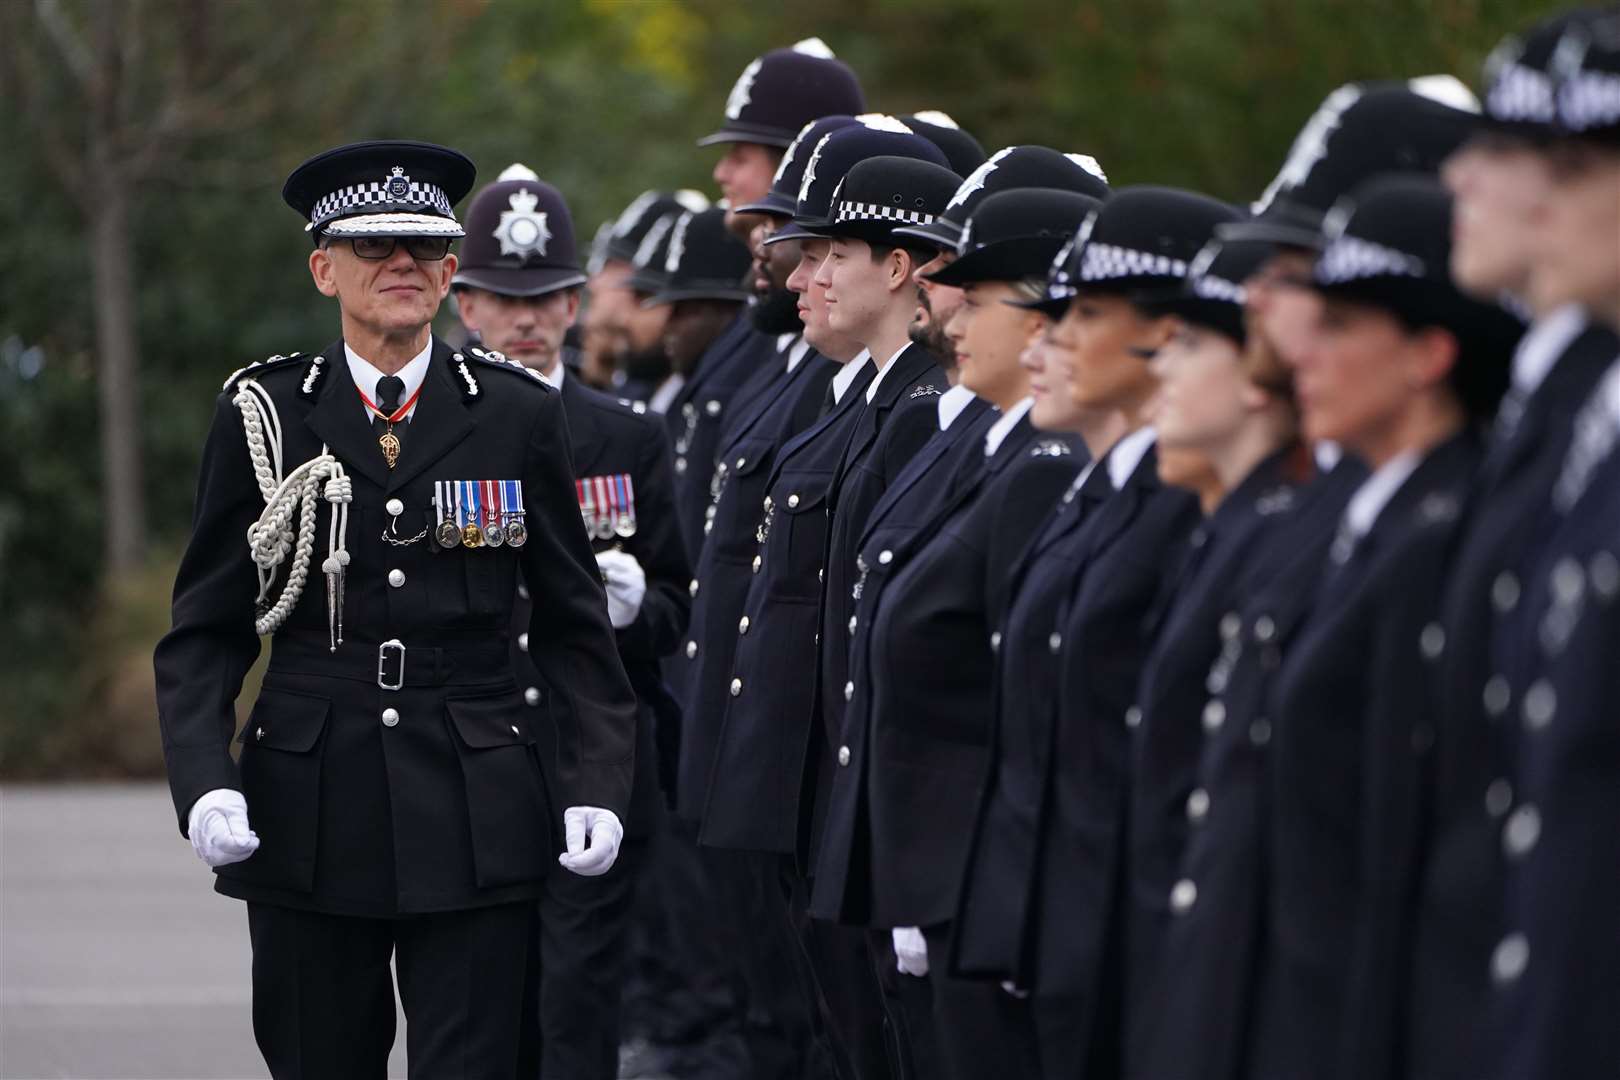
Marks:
<point>522,231</point>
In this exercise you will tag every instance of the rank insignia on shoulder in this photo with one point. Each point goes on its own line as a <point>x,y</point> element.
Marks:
<point>1050,448</point>
<point>1439,508</point>
<point>637,407</point>
<point>607,504</point>
<point>923,391</point>
<point>1275,501</point>
<point>479,513</point>
<point>271,361</point>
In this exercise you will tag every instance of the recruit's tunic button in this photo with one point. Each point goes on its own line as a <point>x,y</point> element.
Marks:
<point>1133,716</point>
<point>742,625</point>
<point>1055,642</point>
<point>849,691</point>
<point>1183,896</point>
<point>680,464</point>
<point>1522,831</point>
<point>1214,715</point>
<point>390,717</point>
<point>995,641</point>
<point>1432,641</point>
<point>394,507</point>
<point>259,732</point>
<point>523,592</point>
<point>793,500</point>
<point>1497,695</point>
<point>515,730</point>
<point>1265,628</point>
<point>1540,704</point>
<point>1260,732</point>
<point>741,462</point>
<point>736,687</point>
<point>843,755</point>
<point>692,588</point>
<point>691,650</point>
<point>1231,625</point>
<point>852,625</point>
<point>885,557</point>
<point>396,577</point>
<point>1197,805</point>
<point>821,575</point>
<point>1568,580</point>
<point>1604,573</point>
<point>1511,957</point>
<point>523,641</point>
<point>757,561</point>
<point>1505,592</point>
<point>531,696</point>
<point>1498,797</point>
<point>712,407</point>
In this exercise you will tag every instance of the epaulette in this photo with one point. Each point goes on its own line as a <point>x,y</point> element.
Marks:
<point>1274,502</point>
<point>923,390</point>
<point>1050,448</point>
<point>262,365</point>
<point>637,407</point>
<point>1439,508</point>
<point>469,389</point>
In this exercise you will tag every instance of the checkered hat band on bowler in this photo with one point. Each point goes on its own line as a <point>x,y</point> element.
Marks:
<point>1589,100</point>
<point>860,211</point>
<point>1352,259</point>
<point>1520,94</point>
<point>358,198</point>
<point>1106,262</point>
<point>1210,287</point>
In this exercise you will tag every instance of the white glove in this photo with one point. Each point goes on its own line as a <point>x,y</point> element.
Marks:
<point>626,585</point>
<point>604,831</point>
<point>910,951</point>
<point>218,827</point>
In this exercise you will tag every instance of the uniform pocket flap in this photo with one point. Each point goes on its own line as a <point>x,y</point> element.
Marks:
<point>812,496</point>
<point>283,720</point>
<point>749,457</point>
<point>489,721</point>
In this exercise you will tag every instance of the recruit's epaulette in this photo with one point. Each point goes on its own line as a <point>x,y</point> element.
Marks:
<point>923,390</point>
<point>1275,501</point>
<point>1050,448</point>
<point>637,407</point>
<point>1439,508</point>
<point>262,365</point>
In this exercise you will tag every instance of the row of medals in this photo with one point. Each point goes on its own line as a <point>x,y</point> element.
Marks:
<point>513,532</point>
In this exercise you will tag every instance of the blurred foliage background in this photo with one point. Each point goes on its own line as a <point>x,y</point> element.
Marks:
<point>150,138</point>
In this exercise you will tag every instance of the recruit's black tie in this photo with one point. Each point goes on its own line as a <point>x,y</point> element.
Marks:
<point>828,401</point>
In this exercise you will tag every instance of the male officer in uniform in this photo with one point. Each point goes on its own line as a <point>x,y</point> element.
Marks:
<point>390,803</point>
<point>517,289</point>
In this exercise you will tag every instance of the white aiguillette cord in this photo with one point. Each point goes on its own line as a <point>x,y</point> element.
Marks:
<point>271,538</point>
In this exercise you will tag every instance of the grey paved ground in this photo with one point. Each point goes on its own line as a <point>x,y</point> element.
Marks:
<point>117,959</point>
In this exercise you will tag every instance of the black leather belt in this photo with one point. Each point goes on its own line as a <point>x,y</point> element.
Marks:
<point>392,664</point>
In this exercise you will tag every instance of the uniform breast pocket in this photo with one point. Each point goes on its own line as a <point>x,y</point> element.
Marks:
<point>281,779</point>
<point>491,577</point>
<point>508,812</point>
<point>802,511</point>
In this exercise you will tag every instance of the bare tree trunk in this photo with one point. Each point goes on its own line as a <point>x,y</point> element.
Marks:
<point>118,385</point>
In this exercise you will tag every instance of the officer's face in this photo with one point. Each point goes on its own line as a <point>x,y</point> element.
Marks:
<point>1110,337</point>
<point>1204,393</point>
<point>861,289</point>
<point>813,311</point>
<point>1048,362</point>
<point>1190,470</point>
<point>1582,236</point>
<point>387,296</point>
<point>1361,373</point>
<point>773,263</point>
<point>529,329</point>
<point>1282,308</point>
<point>1503,191</point>
<point>605,336</point>
<point>935,306</point>
<point>744,174</point>
<point>644,326</point>
<point>988,336</point>
<point>693,325</point>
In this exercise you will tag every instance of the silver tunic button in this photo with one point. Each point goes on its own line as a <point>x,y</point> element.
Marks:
<point>531,696</point>
<point>523,641</point>
<point>821,575</point>
<point>712,407</point>
<point>852,625</point>
<point>1197,805</point>
<point>1498,797</point>
<point>259,732</point>
<point>396,577</point>
<point>741,462</point>
<point>1568,580</point>
<point>1231,625</point>
<point>515,731</point>
<point>692,589</point>
<point>1133,717</point>
<point>1265,628</point>
<point>680,464</point>
<point>885,557</point>
<point>1505,592</point>
<point>843,755</point>
<point>523,592</point>
<point>1522,831</point>
<point>995,641</point>
<point>849,691</point>
<point>691,650</point>
<point>1511,957</point>
<point>793,500</point>
<point>1054,643</point>
<point>1183,896</point>
<point>757,561</point>
<point>742,625</point>
<point>1214,715</point>
<point>1604,573</point>
<point>1260,732</point>
<point>394,507</point>
<point>1432,641</point>
<point>390,717</point>
<point>1540,704</point>
<point>736,687</point>
<point>1497,695</point>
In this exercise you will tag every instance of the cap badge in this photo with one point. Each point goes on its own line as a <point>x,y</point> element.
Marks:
<point>742,94</point>
<point>398,184</point>
<point>677,244</point>
<point>1310,147</point>
<point>522,231</point>
<point>975,180</point>
<point>809,177</point>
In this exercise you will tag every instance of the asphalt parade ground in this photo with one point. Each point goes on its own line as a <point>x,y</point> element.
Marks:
<point>117,958</point>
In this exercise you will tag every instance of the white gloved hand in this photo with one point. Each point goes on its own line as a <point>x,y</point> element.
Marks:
<point>626,584</point>
<point>910,951</point>
<point>604,832</point>
<point>218,827</point>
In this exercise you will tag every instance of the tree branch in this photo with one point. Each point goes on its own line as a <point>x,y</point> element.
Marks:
<point>75,54</point>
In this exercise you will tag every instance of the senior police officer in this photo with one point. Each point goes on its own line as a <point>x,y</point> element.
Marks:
<point>389,803</point>
<point>517,288</point>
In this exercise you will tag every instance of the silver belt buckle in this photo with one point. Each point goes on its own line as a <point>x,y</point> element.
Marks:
<point>382,664</point>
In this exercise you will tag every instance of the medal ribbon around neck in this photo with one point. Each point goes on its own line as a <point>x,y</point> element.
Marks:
<point>388,440</point>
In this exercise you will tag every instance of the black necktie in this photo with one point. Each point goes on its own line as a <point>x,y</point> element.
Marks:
<point>828,401</point>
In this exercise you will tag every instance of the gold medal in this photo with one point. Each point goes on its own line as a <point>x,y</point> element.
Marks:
<point>471,536</point>
<point>390,445</point>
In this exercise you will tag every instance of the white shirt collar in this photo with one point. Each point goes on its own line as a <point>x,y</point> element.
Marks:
<point>872,387</point>
<point>1127,454</point>
<point>784,340</point>
<point>1361,513</point>
<point>365,376</point>
<point>1004,424</point>
<point>1543,344</point>
<point>797,352</point>
<point>951,404</point>
<point>846,374</point>
<point>559,372</point>
<point>1327,454</point>
<point>660,399</point>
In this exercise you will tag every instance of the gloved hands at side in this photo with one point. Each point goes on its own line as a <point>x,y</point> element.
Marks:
<point>910,951</point>
<point>218,827</point>
<point>604,832</point>
<point>626,584</point>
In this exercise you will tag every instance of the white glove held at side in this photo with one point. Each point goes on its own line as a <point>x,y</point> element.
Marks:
<point>626,584</point>
<point>910,951</point>
<point>604,832</point>
<point>218,826</point>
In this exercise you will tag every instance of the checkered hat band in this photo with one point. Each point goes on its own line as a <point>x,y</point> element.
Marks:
<point>860,211</point>
<point>358,198</point>
<point>1209,287</point>
<point>1351,259</point>
<point>1589,100</point>
<point>1520,95</point>
<point>1106,262</point>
